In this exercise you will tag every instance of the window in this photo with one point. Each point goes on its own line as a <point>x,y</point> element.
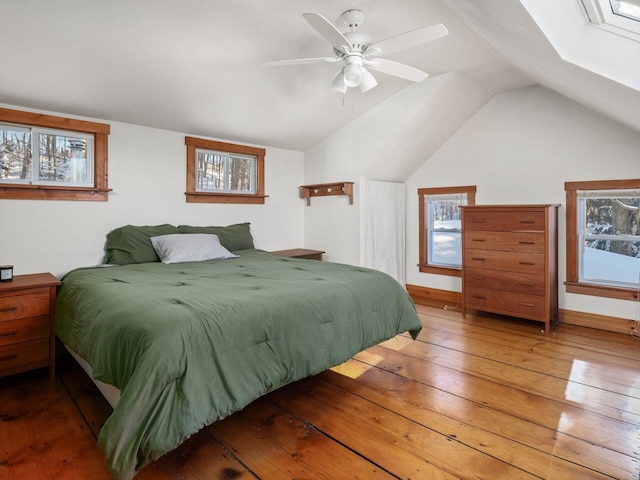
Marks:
<point>220,172</point>
<point>52,158</point>
<point>603,238</point>
<point>440,228</point>
<point>617,16</point>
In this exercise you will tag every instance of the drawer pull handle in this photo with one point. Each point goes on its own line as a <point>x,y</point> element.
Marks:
<point>8,334</point>
<point>479,297</point>
<point>526,221</point>
<point>526,263</point>
<point>527,304</point>
<point>477,239</point>
<point>527,284</point>
<point>8,357</point>
<point>479,259</point>
<point>523,242</point>
<point>9,309</point>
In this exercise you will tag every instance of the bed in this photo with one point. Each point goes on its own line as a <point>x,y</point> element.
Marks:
<point>187,343</point>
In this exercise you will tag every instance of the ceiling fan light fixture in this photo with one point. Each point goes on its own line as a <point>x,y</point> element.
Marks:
<point>368,81</point>
<point>352,75</point>
<point>353,71</point>
<point>338,83</point>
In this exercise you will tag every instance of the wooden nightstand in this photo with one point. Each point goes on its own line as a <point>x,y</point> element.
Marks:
<point>300,253</point>
<point>27,309</point>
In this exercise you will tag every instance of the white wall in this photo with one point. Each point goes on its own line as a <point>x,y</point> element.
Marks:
<point>387,143</point>
<point>147,172</point>
<point>520,148</point>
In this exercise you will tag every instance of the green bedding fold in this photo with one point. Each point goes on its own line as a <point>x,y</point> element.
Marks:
<point>191,343</point>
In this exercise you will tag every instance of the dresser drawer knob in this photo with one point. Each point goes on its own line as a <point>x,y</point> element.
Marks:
<point>8,357</point>
<point>8,309</point>
<point>527,304</point>
<point>8,334</point>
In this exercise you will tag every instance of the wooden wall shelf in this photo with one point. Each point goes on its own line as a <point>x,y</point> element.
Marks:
<point>327,189</point>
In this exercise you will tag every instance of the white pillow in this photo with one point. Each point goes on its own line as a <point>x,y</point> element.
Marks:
<point>189,247</point>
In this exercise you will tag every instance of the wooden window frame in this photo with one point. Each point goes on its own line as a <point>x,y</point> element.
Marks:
<point>100,131</point>
<point>572,283</point>
<point>423,264</point>
<point>194,196</point>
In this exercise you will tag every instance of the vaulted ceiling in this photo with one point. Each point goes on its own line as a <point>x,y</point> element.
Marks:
<point>194,66</point>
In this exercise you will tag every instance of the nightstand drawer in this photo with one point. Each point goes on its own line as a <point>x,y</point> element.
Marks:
<point>22,330</point>
<point>13,307</point>
<point>24,353</point>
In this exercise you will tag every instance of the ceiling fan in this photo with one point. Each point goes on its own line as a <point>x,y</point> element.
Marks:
<point>356,50</point>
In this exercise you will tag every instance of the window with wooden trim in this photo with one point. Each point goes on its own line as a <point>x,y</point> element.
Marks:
<point>219,172</point>
<point>603,238</point>
<point>44,157</point>
<point>440,228</point>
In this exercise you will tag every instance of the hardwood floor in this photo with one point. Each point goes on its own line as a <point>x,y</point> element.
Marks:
<point>483,397</point>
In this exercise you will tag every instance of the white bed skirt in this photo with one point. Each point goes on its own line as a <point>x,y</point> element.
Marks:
<point>111,393</point>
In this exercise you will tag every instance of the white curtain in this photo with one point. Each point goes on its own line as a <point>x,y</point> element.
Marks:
<point>382,227</point>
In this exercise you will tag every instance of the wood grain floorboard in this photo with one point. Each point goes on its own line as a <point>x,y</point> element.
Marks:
<point>476,397</point>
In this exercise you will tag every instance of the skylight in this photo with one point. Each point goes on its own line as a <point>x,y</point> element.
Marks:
<point>617,16</point>
<point>626,9</point>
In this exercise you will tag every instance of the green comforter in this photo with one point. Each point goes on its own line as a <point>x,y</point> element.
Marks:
<point>191,343</point>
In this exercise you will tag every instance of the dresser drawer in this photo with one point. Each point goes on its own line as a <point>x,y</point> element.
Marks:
<point>507,303</point>
<point>22,306</point>
<point>24,353</point>
<point>22,330</point>
<point>533,242</point>
<point>502,220</point>
<point>511,281</point>
<point>507,261</point>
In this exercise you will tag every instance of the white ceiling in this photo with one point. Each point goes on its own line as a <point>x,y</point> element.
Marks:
<point>194,66</point>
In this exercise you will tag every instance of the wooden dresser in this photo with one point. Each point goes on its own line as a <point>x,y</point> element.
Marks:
<point>27,339</point>
<point>510,260</point>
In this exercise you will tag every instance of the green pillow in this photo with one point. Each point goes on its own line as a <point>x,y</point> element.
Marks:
<point>131,244</point>
<point>232,237</point>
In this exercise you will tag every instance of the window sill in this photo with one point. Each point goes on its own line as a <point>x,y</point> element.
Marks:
<point>452,272</point>
<point>602,291</point>
<point>48,192</point>
<point>201,197</point>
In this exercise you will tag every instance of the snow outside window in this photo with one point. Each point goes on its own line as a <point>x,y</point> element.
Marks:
<point>609,237</point>
<point>38,156</point>
<point>444,235</point>
<point>224,172</point>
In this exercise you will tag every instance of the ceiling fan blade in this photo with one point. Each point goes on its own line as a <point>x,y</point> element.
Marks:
<point>325,28</point>
<point>396,69</point>
<point>407,40</point>
<point>300,61</point>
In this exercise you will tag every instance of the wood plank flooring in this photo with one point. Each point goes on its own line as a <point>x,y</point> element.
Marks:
<point>481,397</point>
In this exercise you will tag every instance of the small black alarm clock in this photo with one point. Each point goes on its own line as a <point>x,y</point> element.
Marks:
<point>6,273</point>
